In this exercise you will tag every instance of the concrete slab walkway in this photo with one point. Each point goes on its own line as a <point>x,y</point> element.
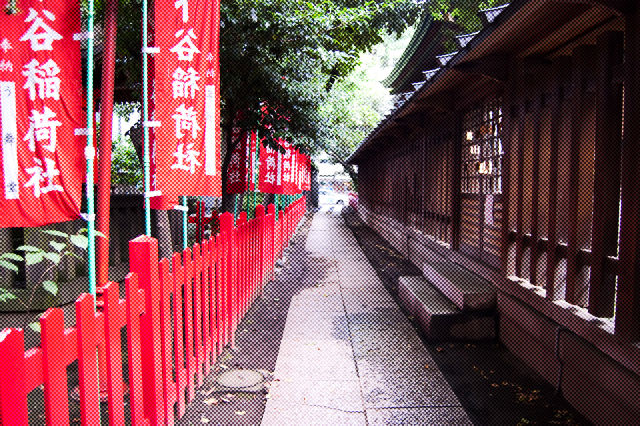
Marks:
<point>348,354</point>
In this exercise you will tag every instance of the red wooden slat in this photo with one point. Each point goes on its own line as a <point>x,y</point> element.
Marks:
<point>13,390</point>
<point>33,364</point>
<point>178,338</point>
<point>54,367</point>
<point>197,314</point>
<point>166,331</point>
<point>114,311</point>
<point>88,337</point>
<point>143,260</point>
<point>188,323</point>
<point>135,309</point>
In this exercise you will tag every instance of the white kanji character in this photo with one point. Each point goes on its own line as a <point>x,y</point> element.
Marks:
<point>270,178</point>
<point>234,176</point>
<point>186,160</point>
<point>6,65</point>
<point>270,150</point>
<point>186,119</point>
<point>185,83</point>
<point>271,163</point>
<point>42,128</point>
<point>184,4</point>
<point>39,33</point>
<point>49,174</point>
<point>235,159</point>
<point>39,175</point>
<point>286,176</point>
<point>5,45</point>
<point>286,165</point>
<point>185,49</point>
<point>42,77</point>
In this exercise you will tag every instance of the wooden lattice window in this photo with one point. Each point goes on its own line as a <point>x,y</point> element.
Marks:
<point>482,150</point>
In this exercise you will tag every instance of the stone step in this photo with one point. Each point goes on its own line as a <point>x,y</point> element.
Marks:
<point>438,317</point>
<point>467,290</point>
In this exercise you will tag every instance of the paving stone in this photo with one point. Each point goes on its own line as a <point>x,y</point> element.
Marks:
<point>454,416</point>
<point>279,414</point>
<point>336,394</point>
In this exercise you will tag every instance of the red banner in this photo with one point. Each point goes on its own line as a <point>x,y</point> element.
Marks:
<point>40,109</point>
<point>238,169</point>
<point>306,173</point>
<point>269,177</point>
<point>187,98</point>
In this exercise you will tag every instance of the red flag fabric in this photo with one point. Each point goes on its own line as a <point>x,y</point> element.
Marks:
<point>42,159</point>
<point>238,169</point>
<point>288,169</point>
<point>186,155</point>
<point>269,177</point>
<point>306,173</point>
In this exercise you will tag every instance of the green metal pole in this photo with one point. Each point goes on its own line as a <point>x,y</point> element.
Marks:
<point>90,154</point>
<point>145,119</point>
<point>185,214</point>
<point>277,199</point>
<point>235,208</point>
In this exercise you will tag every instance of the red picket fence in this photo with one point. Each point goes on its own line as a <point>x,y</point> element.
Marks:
<point>179,313</point>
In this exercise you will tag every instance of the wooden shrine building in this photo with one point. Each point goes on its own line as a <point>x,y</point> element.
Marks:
<point>516,162</point>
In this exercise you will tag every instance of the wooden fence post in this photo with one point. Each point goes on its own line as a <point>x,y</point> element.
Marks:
<point>13,392</point>
<point>143,261</point>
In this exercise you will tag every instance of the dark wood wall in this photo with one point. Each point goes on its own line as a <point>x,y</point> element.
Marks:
<point>527,181</point>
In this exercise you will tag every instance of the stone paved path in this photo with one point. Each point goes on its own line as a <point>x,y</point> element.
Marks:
<point>348,355</point>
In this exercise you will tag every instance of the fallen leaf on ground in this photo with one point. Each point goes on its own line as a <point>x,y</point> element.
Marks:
<point>204,420</point>
<point>206,392</point>
<point>426,366</point>
<point>211,401</point>
<point>241,413</point>
<point>439,349</point>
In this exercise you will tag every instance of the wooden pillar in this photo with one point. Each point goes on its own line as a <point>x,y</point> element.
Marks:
<point>562,69</point>
<point>583,60</point>
<point>456,172</point>
<point>628,300</point>
<point>508,125</point>
<point>606,187</point>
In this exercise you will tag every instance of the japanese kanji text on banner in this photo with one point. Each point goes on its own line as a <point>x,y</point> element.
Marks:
<point>40,109</point>
<point>186,155</point>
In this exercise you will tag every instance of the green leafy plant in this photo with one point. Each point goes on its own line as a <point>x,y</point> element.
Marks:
<point>62,246</point>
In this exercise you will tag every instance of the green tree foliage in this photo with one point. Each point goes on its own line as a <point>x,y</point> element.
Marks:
<point>355,104</point>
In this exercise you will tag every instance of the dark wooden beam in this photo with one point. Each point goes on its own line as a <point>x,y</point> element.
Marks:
<point>495,67</point>
<point>584,58</point>
<point>562,71</point>
<point>620,7</point>
<point>627,325</point>
<point>606,185</point>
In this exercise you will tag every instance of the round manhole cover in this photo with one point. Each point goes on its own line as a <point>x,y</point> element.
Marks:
<point>240,379</point>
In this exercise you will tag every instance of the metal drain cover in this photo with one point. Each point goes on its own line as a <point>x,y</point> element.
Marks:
<point>240,379</point>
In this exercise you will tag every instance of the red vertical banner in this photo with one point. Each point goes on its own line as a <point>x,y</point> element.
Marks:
<point>238,169</point>
<point>253,162</point>
<point>40,109</point>
<point>306,173</point>
<point>289,169</point>
<point>186,119</point>
<point>269,176</point>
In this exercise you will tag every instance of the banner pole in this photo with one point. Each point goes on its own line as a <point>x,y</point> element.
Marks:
<point>145,119</point>
<point>185,214</point>
<point>235,208</point>
<point>90,155</point>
